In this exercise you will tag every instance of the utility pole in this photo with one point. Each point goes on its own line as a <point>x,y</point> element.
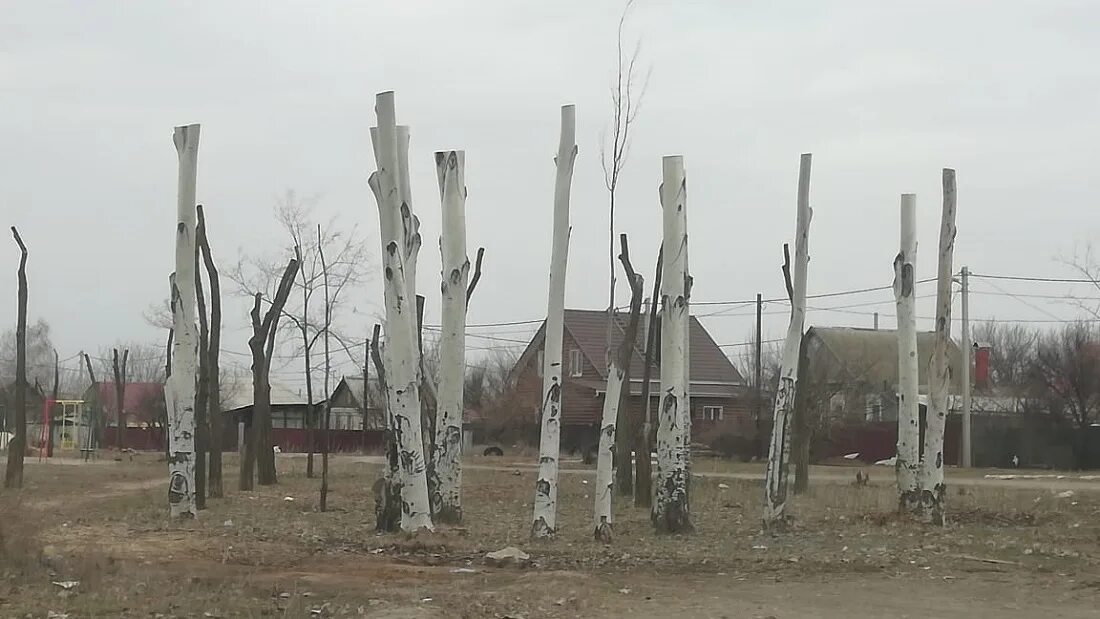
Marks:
<point>366,391</point>
<point>876,321</point>
<point>967,348</point>
<point>758,392</point>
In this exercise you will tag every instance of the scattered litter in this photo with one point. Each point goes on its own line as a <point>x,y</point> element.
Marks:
<point>516,473</point>
<point>378,551</point>
<point>584,481</point>
<point>723,486</point>
<point>624,591</point>
<point>227,523</point>
<point>425,600</point>
<point>288,499</point>
<point>67,585</point>
<point>1065,495</point>
<point>284,595</point>
<point>56,615</point>
<point>851,456</point>
<point>463,570</point>
<point>507,556</point>
<point>760,547</point>
<point>985,560</point>
<point>892,461</point>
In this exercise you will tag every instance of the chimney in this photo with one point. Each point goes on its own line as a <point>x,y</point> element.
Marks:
<point>981,366</point>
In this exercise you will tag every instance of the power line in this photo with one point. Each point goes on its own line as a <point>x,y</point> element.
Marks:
<point>1052,280</point>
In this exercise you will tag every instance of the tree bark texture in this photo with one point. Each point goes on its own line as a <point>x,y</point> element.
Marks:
<point>546,487</point>
<point>215,488</point>
<point>202,392</point>
<point>908,448</point>
<point>933,489</point>
<point>776,476</point>
<point>671,512</point>
<point>643,484</point>
<point>618,386</point>
<point>17,446</point>
<point>450,169</point>
<point>387,494</point>
<point>400,244</point>
<point>181,416</point>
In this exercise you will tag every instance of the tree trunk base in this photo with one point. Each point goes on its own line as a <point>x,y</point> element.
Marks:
<point>933,505</point>
<point>603,533</point>
<point>448,515</point>
<point>541,530</point>
<point>387,506</point>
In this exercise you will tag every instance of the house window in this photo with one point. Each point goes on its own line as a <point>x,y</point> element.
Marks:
<point>575,363</point>
<point>712,413</point>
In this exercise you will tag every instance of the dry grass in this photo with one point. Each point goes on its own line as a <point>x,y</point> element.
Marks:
<point>259,554</point>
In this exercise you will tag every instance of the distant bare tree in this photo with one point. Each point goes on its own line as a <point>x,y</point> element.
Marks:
<point>211,360</point>
<point>1011,350</point>
<point>1066,376</point>
<point>39,354</point>
<point>306,316</point>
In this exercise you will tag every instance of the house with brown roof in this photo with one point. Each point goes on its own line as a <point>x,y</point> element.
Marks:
<point>719,404</point>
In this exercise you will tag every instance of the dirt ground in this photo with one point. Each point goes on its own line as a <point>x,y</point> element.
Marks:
<point>1009,551</point>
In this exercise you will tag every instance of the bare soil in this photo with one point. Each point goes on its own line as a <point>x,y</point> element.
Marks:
<point>1009,551</point>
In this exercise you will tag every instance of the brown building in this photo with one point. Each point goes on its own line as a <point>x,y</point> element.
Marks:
<point>718,402</point>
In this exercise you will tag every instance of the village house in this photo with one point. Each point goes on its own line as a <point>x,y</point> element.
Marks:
<point>143,409</point>
<point>719,404</point>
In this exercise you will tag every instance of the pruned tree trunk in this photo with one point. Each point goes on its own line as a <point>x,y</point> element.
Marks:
<point>181,417</point>
<point>907,465</point>
<point>387,489</point>
<point>428,408</point>
<point>643,483</point>
<point>258,445</point>
<point>933,489</point>
<point>17,445</point>
<point>120,397</point>
<point>215,488</point>
<point>618,373</point>
<point>546,488</point>
<point>802,432</point>
<point>202,390</point>
<point>776,476</point>
<point>450,169</point>
<point>400,245</point>
<point>53,397</point>
<point>326,444</point>
<point>169,403</point>
<point>671,513</point>
<point>91,443</point>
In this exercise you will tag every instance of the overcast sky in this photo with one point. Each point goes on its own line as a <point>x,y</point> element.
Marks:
<point>884,94</point>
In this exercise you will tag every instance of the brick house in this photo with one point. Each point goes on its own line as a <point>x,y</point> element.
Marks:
<point>719,404</point>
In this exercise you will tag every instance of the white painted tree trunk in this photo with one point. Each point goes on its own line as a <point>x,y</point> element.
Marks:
<point>409,220</point>
<point>777,474</point>
<point>670,510</point>
<point>905,267</point>
<point>546,488</point>
<point>605,472</point>
<point>403,371</point>
<point>933,488</point>
<point>181,416</point>
<point>450,167</point>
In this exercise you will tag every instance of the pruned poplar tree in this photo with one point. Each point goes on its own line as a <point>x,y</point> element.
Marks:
<point>643,484</point>
<point>215,488</point>
<point>94,421</point>
<point>933,489</point>
<point>450,167</point>
<point>618,388</point>
<point>17,445</point>
<point>546,487</point>
<point>777,473</point>
<point>671,512</point>
<point>180,387</point>
<point>387,489</point>
<point>202,390</point>
<point>259,448</point>
<point>908,446</point>
<point>400,244</point>
<point>120,397</point>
